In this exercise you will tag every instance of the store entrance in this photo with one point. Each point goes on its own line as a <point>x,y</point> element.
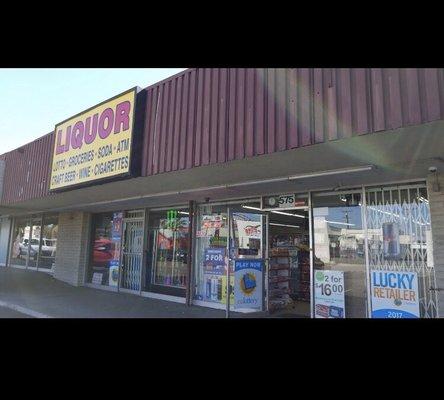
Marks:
<point>263,252</point>
<point>132,252</point>
<point>289,263</point>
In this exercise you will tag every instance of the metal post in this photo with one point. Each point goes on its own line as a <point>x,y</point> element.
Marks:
<point>265,253</point>
<point>122,249</point>
<point>228,258</point>
<point>367,258</point>
<point>29,222</point>
<point>40,241</point>
<point>144,260</point>
<point>311,241</point>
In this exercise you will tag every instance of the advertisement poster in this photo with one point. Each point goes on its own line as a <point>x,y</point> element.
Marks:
<point>214,260</point>
<point>212,222</point>
<point>216,288</point>
<point>97,278</point>
<point>394,294</point>
<point>116,238</point>
<point>213,288</point>
<point>94,144</point>
<point>114,273</point>
<point>390,237</point>
<point>248,291</point>
<point>224,290</point>
<point>248,230</point>
<point>329,294</point>
<point>214,227</point>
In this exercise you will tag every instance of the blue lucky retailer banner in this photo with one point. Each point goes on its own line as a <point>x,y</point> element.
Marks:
<point>248,275</point>
<point>395,294</point>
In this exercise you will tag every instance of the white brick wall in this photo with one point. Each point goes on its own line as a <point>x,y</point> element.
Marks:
<point>72,247</point>
<point>436,200</point>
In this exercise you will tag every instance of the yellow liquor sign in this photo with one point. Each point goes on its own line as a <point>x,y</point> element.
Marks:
<point>95,144</point>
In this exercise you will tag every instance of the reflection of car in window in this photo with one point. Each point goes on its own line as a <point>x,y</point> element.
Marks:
<point>47,250</point>
<point>49,247</point>
<point>33,249</point>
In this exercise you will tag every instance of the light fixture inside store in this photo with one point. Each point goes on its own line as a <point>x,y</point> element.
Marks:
<point>303,176</point>
<point>275,212</point>
<point>339,223</point>
<point>251,208</point>
<point>289,214</point>
<point>332,172</point>
<point>289,226</point>
<point>257,182</point>
<point>184,213</point>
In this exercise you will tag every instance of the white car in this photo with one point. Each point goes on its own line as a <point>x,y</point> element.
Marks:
<point>48,248</point>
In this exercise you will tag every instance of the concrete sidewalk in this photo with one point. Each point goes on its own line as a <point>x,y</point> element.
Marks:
<point>8,313</point>
<point>39,294</point>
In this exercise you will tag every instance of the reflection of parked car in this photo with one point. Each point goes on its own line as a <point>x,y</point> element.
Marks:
<point>47,250</point>
<point>48,247</point>
<point>103,252</point>
<point>33,250</point>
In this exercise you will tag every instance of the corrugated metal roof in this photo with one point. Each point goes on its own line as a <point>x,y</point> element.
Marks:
<point>27,171</point>
<point>204,116</point>
<point>210,115</point>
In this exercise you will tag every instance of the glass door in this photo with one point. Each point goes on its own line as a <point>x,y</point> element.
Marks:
<point>289,271</point>
<point>34,243</point>
<point>166,270</point>
<point>20,243</point>
<point>211,256</point>
<point>247,258</point>
<point>48,246</point>
<point>132,254</point>
<point>339,260</point>
<point>230,256</point>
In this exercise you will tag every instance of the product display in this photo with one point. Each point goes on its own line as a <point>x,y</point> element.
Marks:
<point>171,241</point>
<point>289,272</point>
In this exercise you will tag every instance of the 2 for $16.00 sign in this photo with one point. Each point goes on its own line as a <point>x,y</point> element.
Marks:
<point>329,294</point>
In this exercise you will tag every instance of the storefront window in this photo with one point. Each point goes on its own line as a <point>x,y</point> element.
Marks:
<point>20,242</point>
<point>289,263</point>
<point>49,236</point>
<point>340,282</point>
<point>217,247</point>
<point>105,258</point>
<point>167,261</point>
<point>211,254</point>
<point>400,245</point>
<point>33,243</point>
<point>34,248</point>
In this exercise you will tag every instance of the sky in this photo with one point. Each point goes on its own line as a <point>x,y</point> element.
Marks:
<point>33,101</point>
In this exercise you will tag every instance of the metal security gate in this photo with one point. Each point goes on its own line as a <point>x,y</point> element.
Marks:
<point>132,252</point>
<point>407,207</point>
